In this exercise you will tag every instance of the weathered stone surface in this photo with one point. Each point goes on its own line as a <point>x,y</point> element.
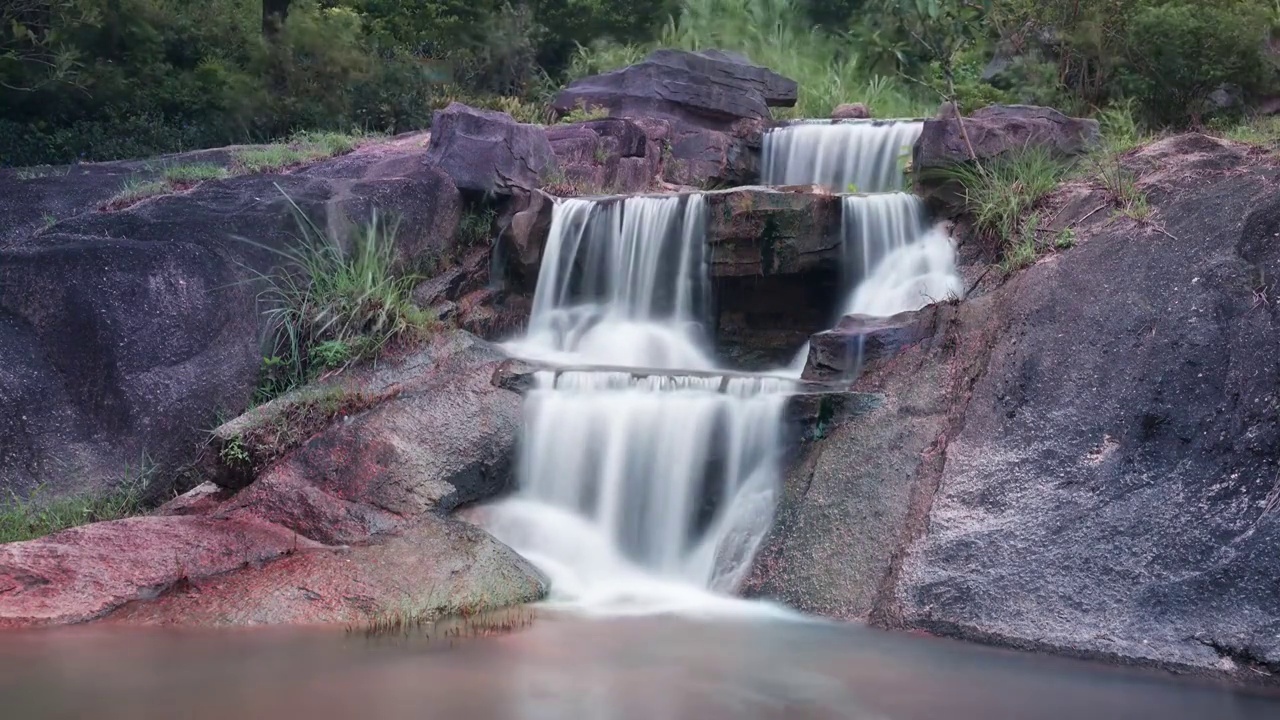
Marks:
<point>125,333</point>
<point>859,340</point>
<point>436,434</point>
<point>999,129</point>
<point>488,152</point>
<point>82,573</point>
<point>439,434</point>
<point>609,155</point>
<point>850,111</point>
<point>1083,460</point>
<point>710,89</point>
<point>526,224</point>
<point>764,231</point>
<point>440,567</point>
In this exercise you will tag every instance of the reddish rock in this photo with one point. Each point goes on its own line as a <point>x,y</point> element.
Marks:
<point>439,567</point>
<point>850,111</point>
<point>82,573</point>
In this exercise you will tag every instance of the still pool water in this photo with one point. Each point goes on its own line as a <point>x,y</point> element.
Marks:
<point>558,667</point>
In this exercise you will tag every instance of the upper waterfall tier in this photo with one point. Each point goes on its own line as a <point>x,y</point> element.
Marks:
<point>862,156</point>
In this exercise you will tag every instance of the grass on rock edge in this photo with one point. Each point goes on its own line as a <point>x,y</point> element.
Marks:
<point>36,516</point>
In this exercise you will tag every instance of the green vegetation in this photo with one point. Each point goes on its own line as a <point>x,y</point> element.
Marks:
<point>36,516</point>
<point>325,303</point>
<point>582,113</point>
<point>302,148</point>
<point>774,33</point>
<point>192,173</point>
<point>136,189</point>
<point>476,228</point>
<point>1002,194</point>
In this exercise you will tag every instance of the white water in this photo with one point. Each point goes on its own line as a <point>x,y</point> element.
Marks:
<point>639,493</point>
<point>896,260</point>
<point>862,156</point>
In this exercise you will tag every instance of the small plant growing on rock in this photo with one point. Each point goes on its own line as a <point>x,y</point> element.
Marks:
<point>1002,196</point>
<point>234,453</point>
<point>323,296</point>
<point>35,516</point>
<point>583,112</point>
<point>1065,239</point>
<point>475,228</point>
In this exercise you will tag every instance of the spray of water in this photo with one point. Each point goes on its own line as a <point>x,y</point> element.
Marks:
<point>862,156</point>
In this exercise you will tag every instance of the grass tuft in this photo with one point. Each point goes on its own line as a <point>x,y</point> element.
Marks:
<point>135,190</point>
<point>326,306</point>
<point>303,147</point>
<point>192,173</point>
<point>34,516</point>
<point>1001,195</point>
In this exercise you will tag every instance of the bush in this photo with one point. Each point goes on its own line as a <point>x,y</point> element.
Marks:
<point>326,306</point>
<point>1178,53</point>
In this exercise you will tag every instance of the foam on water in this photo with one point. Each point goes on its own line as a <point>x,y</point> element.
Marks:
<point>639,492</point>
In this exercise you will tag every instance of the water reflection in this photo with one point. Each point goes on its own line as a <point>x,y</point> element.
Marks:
<point>556,668</point>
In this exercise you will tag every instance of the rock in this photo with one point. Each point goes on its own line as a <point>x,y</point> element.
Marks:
<point>526,224</point>
<point>1082,460</point>
<point>123,334</point>
<point>763,231</point>
<point>999,129</point>
<point>438,568</point>
<point>488,152</point>
<point>82,573</point>
<point>441,434</point>
<point>850,111</point>
<point>711,89</point>
<point>436,434</point>
<point>610,155</point>
<point>860,340</point>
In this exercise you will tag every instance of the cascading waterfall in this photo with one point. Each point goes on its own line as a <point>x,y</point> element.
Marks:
<point>639,491</point>
<point>895,260</point>
<point>842,156</point>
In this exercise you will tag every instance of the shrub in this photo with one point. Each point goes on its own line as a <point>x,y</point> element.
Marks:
<point>324,298</point>
<point>1178,53</point>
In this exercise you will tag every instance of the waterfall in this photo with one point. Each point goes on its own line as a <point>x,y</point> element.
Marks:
<point>638,490</point>
<point>857,156</point>
<point>895,260</point>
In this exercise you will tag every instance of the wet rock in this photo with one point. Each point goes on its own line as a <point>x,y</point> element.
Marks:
<point>1082,460</point>
<point>526,224</point>
<point>850,111</point>
<point>437,568</point>
<point>763,231</point>
<point>80,574</point>
<point>125,333</point>
<point>860,340</point>
<point>428,434</point>
<point>999,129</point>
<point>487,152</point>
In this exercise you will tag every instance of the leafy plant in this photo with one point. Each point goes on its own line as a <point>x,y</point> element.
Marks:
<point>234,453</point>
<point>1065,239</point>
<point>475,228</point>
<point>582,113</point>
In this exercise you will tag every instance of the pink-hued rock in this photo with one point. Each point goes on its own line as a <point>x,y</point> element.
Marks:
<point>440,567</point>
<point>80,574</point>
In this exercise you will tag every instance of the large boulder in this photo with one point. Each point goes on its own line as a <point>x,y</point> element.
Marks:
<point>488,152</point>
<point>710,88</point>
<point>1082,460</point>
<point>125,333</point>
<point>997,130</point>
<point>706,111</point>
<point>342,519</point>
<point>607,155</point>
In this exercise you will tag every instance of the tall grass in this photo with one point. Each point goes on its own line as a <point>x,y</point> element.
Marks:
<point>36,516</point>
<point>325,303</point>
<point>999,195</point>
<point>772,33</point>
